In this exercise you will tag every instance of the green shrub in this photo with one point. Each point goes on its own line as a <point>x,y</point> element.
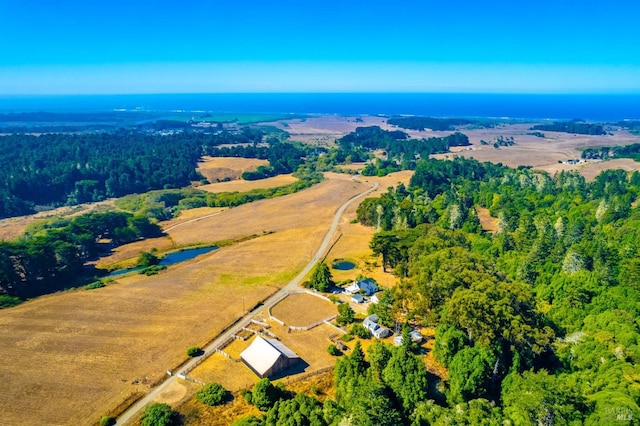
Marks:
<point>94,285</point>
<point>158,414</point>
<point>194,351</point>
<point>212,394</point>
<point>346,337</point>
<point>107,421</point>
<point>360,331</point>
<point>333,350</point>
<point>7,301</point>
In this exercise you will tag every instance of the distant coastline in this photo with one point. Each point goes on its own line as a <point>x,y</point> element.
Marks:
<point>596,107</point>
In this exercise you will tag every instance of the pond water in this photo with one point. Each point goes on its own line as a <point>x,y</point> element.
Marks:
<point>170,259</point>
<point>181,256</point>
<point>343,265</point>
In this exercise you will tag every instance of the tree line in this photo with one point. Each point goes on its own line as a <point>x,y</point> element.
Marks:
<point>51,170</point>
<point>51,254</point>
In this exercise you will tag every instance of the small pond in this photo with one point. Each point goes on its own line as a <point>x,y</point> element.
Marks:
<point>343,265</point>
<point>181,256</point>
<point>170,259</point>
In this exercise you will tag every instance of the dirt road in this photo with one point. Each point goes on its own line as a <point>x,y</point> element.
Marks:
<point>224,336</point>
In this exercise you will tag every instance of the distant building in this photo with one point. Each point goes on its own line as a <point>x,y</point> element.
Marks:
<point>374,299</point>
<point>366,286</point>
<point>378,331</point>
<point>266,357</point>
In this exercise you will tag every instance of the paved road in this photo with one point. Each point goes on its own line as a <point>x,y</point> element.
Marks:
<point>224,336</point>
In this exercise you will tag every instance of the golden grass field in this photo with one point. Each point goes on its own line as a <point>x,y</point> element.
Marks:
<point>248,185</point>
<point>71,357</point>
<point>220,168</point>
<point>302,309</point>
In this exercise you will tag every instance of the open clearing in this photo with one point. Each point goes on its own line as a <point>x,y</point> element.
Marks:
<point>248,185</point>
<point>302,309</point>
<point>217,169</point>
<point>70,358</point>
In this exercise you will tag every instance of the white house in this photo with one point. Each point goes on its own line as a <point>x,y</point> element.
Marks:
<point>366,286</point>
<point>378,331</point>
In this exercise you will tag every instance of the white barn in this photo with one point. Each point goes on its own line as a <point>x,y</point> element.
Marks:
<point>266,357</point>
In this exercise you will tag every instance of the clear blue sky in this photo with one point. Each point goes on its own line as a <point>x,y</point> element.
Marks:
<point>94,47</point>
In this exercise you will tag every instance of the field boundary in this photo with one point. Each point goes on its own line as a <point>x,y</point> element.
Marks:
<point>314,325</point>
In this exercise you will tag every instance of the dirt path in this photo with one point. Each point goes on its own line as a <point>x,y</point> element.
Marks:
<point>237,326</point>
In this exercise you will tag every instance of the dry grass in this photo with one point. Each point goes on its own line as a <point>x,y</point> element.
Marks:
<point>302,309</point>
<point>217,169</point>
<point>248,185</point>
<point>542,153</point>
<point>487,222</point>
<point>197,414</point>
<point>70,358</point>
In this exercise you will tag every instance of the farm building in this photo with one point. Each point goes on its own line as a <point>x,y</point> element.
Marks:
<point>416,337</point>
<point>266,357</point>
<point>378,331</point>
<point>357,298</point>
<point>366,286</point>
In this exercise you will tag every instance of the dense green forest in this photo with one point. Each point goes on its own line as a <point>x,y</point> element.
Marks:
<point>421,123</point>
<point>57,169</point>
<point>573,126</point>
<point>50,256</point>
<point>400,150</point>
<point>537,323</point>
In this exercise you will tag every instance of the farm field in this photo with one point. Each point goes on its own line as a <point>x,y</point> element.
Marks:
<point>220,168</point>
<point>70,358</point>
<point>247,185</point>
<point>302,309</point>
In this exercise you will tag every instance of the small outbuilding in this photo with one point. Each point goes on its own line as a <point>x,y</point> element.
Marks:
<point>416,337</point>
<point>267,357</point>
<point>357,298</point>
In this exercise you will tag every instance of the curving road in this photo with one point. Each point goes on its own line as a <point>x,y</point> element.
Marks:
<point>225,335</point>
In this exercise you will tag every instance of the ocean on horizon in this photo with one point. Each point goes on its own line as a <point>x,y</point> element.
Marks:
<point>596,107</point>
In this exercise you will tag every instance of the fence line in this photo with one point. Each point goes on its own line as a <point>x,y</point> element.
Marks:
<point>337,328</point>
<point>315,324</point>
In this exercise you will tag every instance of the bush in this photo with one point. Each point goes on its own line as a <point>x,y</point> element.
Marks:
<point>346,338</point>
<point>212,394</point>
<point>360,331</point>
<point>158,414</point>
<point>107,421</point>
<point>194,351</point>
<point>7,301</point>
<point>94,285</point>
<point>333,350</point>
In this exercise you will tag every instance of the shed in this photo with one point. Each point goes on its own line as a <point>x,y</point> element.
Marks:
<point>266,357</point>
<point>416,337</point>
<point>357,298</point>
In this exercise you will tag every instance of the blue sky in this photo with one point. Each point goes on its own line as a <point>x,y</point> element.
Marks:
<point>94,47</point>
